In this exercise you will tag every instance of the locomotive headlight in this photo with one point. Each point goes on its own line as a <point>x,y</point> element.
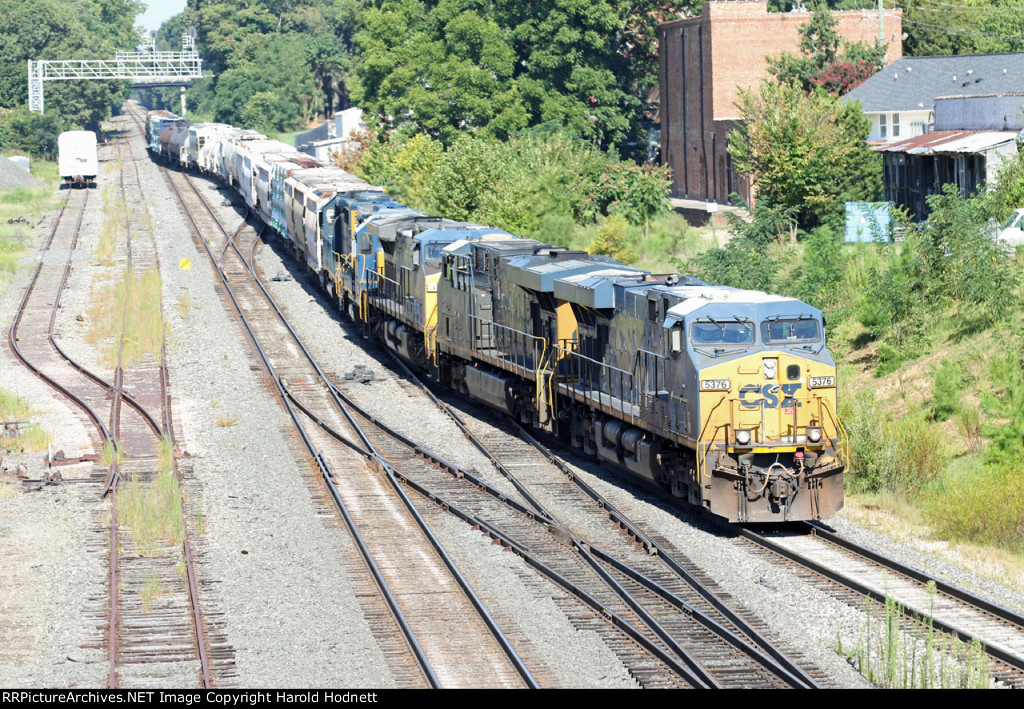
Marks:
<point>743,436</point>
<point>771,368</point>
<point>814,434</point>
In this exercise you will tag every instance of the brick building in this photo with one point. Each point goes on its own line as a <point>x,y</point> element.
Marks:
<point>706,60</point>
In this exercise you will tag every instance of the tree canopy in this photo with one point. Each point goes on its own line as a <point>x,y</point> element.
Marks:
<point>825,59</point>
<point>803,150</point>
<point>445,66</point>
<point>49,29</point>
<point>273,64</point>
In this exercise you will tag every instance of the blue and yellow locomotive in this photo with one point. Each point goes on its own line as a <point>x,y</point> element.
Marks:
<point>723,397</point>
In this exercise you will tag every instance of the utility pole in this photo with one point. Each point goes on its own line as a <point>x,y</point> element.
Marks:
<point>881,33</point>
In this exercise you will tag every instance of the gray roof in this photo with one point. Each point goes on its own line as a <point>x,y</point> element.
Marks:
<point>913,83</point>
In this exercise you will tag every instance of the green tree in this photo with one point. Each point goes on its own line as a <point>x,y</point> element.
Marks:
<point>47,29</point>
<point>443,66</point>
<point>23,131</point>
<point>638,192</point>
<point>803,151</point>
<point>281,61</point>
<point>825,59</point>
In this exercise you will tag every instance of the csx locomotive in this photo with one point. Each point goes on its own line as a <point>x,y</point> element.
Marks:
<point>723,397</point>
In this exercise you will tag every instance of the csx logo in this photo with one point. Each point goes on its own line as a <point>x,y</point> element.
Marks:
<point>769,396</point>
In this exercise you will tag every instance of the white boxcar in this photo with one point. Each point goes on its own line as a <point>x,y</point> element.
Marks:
<point>76,158</point>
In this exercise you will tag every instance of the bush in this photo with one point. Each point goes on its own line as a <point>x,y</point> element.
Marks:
<point>947,390</point>
<point>525,185</point>
<point>985,506</point>
<point>615,239</point>
<point>894,455</point>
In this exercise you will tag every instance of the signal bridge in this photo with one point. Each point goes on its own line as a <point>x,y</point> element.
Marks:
<point>145,69</point>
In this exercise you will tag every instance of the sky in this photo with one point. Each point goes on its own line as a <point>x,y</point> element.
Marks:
<point>157,11</point>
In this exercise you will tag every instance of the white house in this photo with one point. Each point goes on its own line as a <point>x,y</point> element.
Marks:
<point>900,99</point>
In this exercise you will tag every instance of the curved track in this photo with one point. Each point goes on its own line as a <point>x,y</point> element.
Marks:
<point>860,573</point>
<point>143,639</point>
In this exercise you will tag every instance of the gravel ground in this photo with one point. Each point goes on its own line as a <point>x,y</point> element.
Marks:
<point>13,176</point>
<point>52,569</point>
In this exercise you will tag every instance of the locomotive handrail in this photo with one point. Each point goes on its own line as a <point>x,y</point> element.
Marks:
<point>514,364</point>
<point>844,439</point>
<point>701,455</point>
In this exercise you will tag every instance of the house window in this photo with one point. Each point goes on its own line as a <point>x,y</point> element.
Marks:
<point>881,126</point>
<point>895,125</point>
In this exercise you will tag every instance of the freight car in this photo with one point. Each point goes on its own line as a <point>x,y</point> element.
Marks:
<point>77,161</point>
<point>720,396</point>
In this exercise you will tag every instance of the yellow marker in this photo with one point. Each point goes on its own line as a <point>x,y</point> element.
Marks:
<point>185,264</point>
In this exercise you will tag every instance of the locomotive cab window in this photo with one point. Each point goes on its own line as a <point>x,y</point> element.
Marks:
<point>722,332</point>
<point>790,331</point>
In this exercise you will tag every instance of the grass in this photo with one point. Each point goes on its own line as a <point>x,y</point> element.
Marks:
<point>130,309</point>
<point>20,211</point>
<point>224,420</point>
<point>115,215</point>
<point>151,590</point>
<point>896,652</point>
<point>32,438</point>
<point>152,511</point>
<point>6,490</point>
<point>108,453</point>
<point>183,305</point>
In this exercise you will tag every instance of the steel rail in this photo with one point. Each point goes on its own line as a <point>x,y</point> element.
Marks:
<point>765,653</point>
<point>389,471</point>
<point>1010,659</point>
<point>1001,612</point>
<point>12,335</point>
<point>696,669</point>
<point>520,550</point>
<point>706,678</point>
<point>322,465</point>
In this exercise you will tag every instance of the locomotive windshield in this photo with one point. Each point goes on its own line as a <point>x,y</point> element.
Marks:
<point>719,332</point>
<point>789,331</point>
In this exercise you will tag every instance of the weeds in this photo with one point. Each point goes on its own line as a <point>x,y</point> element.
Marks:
<point>20,209</point>
<point>152,512</point>
<point>31,438</point>
<point>129,308</point>
<point>224,420</point>
<point>901,455</point>
<point>151,590</point>
<point>896,652</point>
<point>108,454</point>
<point>115,214</point>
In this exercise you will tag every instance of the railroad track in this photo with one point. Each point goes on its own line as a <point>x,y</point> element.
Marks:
<point>450,639</point>
<point>643,654</point>
<point>158,631</point>
<point>142,639</point>
<point>647,571</point>
<point>853,572</point>
<point>601,583</point>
